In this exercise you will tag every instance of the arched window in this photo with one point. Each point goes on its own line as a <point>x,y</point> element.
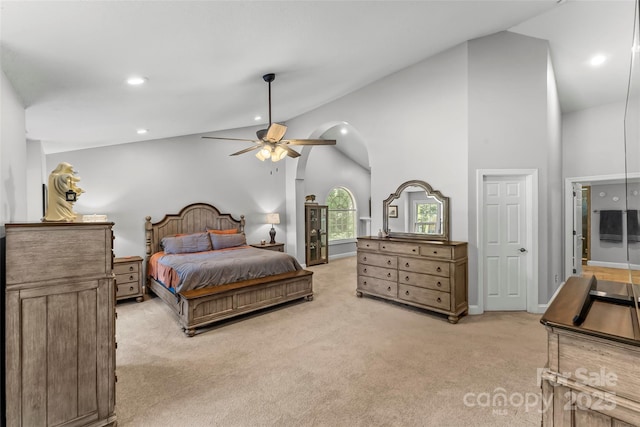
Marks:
<point>342,214</point>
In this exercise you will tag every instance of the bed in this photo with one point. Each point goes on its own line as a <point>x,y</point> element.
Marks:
<point>211,300</point>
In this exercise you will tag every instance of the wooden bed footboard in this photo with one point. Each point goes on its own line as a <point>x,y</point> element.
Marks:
<point>201,307</point>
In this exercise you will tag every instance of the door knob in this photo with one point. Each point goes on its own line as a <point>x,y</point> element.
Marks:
<point>523,250</point>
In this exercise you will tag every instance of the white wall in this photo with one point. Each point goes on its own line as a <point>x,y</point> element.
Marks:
<point>13,155</point>
<point>414,124</point>
<point>130,181</point>
<point>593,141</point>
<point>514,124</point>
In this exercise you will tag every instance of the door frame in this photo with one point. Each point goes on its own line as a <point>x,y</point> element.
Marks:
<point>531,185</point>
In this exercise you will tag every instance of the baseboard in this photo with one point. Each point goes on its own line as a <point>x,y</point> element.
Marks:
<point>540,309</point>
<point>620,265</point>
<point>474,309</point>
<point>344,255</point>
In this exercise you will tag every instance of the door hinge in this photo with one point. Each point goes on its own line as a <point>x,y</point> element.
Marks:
<point>574,232</point>
<point>575,271</point>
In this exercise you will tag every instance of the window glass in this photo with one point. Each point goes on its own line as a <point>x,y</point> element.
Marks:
<point>342,214</point>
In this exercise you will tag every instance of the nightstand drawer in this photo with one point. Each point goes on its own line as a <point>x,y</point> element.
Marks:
<point>127,289</point>
<point>126,268</point>
<point>121,279</point>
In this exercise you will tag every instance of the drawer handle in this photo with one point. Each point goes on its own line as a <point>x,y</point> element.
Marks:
<point>389,289</point>
<point>364,258</point>
<point>130,277</point>
<point>367,245</point>
<point>439,299</point>
<point>388,274</point>
<point>388,262</point>
<point>435,252</point>
<point>439,284</point>
<point>130,288</point>
<point>365,270</point>
<point>384,247</point>
<point>406,292</point>
<point>406,278</point>
<point>131,268</point>
<point>413,250</point>
<point>438,269</point>
<point>364,283</point>
<point>406,265</point>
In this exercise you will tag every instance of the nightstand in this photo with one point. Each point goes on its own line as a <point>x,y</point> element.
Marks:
<point>278,247</point>
<point>128,271</point>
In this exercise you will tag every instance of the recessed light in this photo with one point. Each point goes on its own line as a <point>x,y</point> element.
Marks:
<point>256,118</point>
<point>142,131</point>
<point>136,80</point>
<point>597,60</point>
<point>344,131</point>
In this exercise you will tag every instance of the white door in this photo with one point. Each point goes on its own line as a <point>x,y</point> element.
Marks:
<point>577,229</point>
<point>505,263</point>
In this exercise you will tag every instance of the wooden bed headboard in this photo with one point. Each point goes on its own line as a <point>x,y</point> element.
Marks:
<point>195,218</point>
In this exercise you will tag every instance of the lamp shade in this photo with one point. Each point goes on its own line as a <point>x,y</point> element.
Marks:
<point>273,218</point>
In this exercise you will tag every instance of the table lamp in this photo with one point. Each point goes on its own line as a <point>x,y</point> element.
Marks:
<point>273,218</point>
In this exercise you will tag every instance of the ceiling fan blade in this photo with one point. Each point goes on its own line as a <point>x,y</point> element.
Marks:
<point>290,151</point>
<point>310,141</point>
<point>275,133</point>
<point>246,150</point>
<point>230,139</point>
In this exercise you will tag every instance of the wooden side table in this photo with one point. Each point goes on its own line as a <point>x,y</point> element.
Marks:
<point>128,271</point>
<point>278,247</point>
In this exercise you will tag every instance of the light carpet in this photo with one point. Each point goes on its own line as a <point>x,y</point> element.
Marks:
<point>338,360</point>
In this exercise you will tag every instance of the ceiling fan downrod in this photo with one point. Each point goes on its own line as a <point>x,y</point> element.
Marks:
<point>269,78</point>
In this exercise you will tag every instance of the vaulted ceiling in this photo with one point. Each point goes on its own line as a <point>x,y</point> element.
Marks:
<point>203,60</point>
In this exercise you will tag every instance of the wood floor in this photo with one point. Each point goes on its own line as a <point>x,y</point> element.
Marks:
<point>612,274</point>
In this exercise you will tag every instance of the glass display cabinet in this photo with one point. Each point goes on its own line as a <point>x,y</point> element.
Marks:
<point>315,233</point>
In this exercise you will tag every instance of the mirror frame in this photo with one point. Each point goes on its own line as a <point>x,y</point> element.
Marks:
<point>444,235</point>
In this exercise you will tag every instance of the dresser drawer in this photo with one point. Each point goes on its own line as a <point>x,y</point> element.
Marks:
<point>424,266</point>
<point>379,272</point>
<point>428,281</point>
<point>424,296</point>
<point>126,289</point>
<point>378,286</point>
<point>436,251</point>
<point>388,261</point>
<point>400,248</point>
<point>368,244</point>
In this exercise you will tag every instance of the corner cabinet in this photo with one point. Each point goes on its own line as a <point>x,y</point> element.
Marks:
<point>60,324</point>
<point>432,275</point>
<point>315,234</point>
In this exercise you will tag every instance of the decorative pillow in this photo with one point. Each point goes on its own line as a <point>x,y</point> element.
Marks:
<point>197,242</point>
<point>228,231</point>
<point>222,241</point>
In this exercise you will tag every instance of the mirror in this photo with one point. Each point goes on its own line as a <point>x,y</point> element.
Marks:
<point>416,211</point>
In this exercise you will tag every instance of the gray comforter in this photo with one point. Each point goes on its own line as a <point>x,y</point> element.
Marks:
<point>204,269</point>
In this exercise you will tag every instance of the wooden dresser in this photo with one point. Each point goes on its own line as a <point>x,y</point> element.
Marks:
<point>426,274</point>
<point>592,377</point>
<point>60,324</point>
<point>128,271</point>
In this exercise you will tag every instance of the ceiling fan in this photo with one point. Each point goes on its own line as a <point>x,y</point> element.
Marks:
<point>270,142</point>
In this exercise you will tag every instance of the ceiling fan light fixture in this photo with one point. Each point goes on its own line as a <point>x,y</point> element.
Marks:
<point>278,154</point>
<point>260,156</point>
